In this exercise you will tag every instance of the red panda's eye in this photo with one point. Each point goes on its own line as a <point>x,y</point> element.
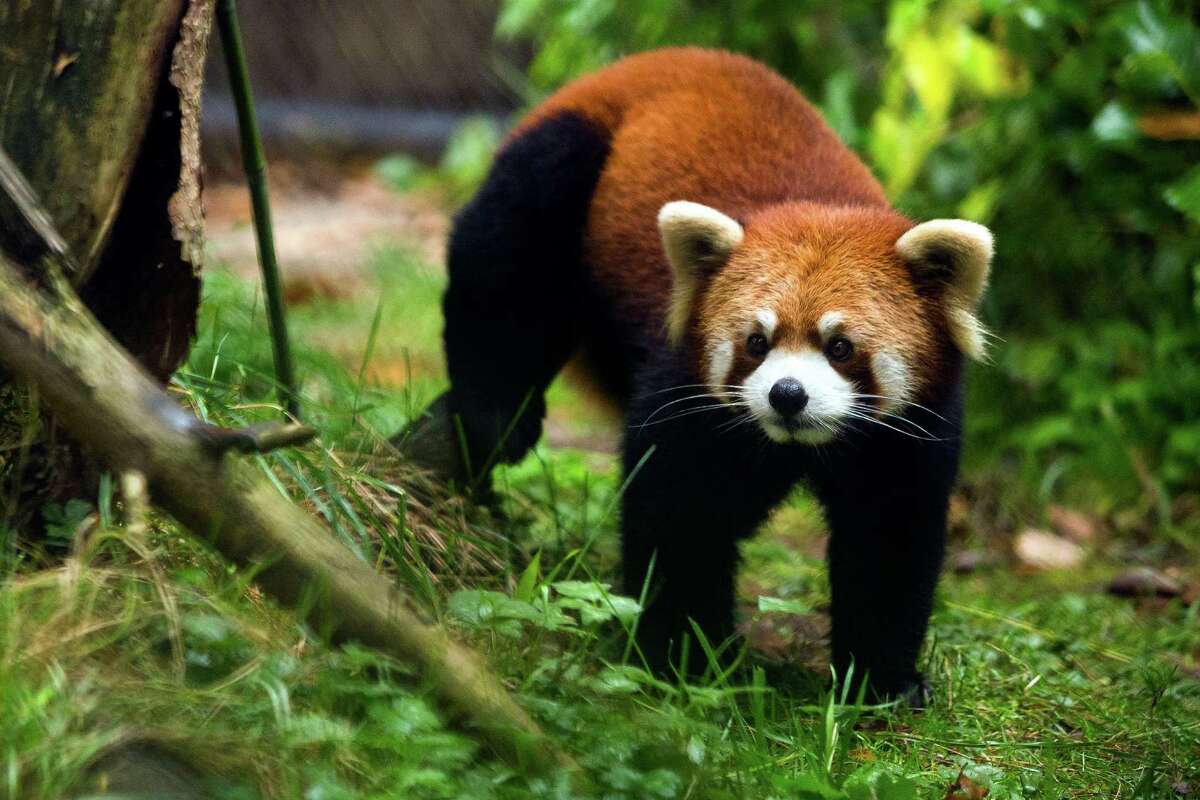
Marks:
<point>839,348</point>
<point>757,345</point>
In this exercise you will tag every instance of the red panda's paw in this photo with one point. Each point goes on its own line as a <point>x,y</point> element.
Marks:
<point>430,443</point>
<point>917,693</point>
<point>912,690</point>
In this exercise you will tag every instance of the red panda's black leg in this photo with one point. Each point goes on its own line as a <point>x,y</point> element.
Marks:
<point>699,488</point>
<point>516,286</point>
<point>887,514</point>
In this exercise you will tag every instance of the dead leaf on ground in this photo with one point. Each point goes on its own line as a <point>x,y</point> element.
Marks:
<point>964,562</point>
<point>788,638</point>
<point>308,287</point>
<point>1074,525</point>
<point>1144,582</point>
<point>964,788</point>
<point>1043,550</point>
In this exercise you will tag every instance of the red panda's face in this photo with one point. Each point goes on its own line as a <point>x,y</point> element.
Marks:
<point>815,318</point>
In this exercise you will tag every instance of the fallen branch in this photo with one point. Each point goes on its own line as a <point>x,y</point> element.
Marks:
<point>49,340</point>
<point>262,437</point>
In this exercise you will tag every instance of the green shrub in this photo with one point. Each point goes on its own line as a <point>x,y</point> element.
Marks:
<point>1030,117</point>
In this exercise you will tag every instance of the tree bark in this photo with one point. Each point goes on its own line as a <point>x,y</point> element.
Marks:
<point>99,109</point>
<point>80,78</point>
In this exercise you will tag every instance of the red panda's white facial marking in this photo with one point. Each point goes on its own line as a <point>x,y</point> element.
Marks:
<point>841,365</point>
<point>767,322</point>
<point>893,378</point>
<point>849,337</point>
<point>836,368</point>
<point>720,361</point>
<point>815,416</point>
<point>809,318</point>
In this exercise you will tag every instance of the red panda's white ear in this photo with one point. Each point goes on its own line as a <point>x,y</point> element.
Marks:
<point>958,255</point>
<point>697,240</point>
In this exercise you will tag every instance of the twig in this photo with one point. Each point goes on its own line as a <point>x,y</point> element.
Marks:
<point>254,163</point>
<point>25,222</point>
<point>261,438</point>
<point>133,491</point>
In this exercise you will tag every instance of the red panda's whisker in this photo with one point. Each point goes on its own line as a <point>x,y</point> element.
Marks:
<point>906,403</point>
<point>870,410</point>
<point>891,415</point>
<point>670,403</point>
<point>828,427</point>
<point>907,421</point>
<point>696,386</point>
<point>685,413</point>
<point>741,419</point>
<point>867,418</point>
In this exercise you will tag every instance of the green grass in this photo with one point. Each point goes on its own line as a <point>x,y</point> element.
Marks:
<point>1045,686</point>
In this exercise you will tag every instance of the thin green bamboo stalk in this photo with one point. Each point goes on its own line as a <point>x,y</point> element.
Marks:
<point>254,163</point>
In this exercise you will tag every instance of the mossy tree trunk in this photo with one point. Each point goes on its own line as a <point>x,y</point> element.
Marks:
<point>99,109</point>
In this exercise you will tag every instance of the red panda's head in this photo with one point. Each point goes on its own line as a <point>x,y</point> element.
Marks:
<point>810,317</point>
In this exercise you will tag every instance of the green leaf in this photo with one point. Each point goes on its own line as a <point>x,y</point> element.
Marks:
<point>1184,194</point>
<point>838,105</point>
<point>810,786</point>
<point>624,608</point>
<point>316,729</point>
<point>589,613</point>
<point>63,521</point>
<point>1115,124</point>
<point>205,627</point>
<point>1172,41</point>
<point>980,202</point>
<point>625,679</point>
<point>876,782</point>
<point>517,17</point>
<point>930,74</point>
<point>527,585</point>
<point>481,607</point>
<point>405,717</point>
<point>582,590</point>
<point>779,605</point>
<point>399,173</point>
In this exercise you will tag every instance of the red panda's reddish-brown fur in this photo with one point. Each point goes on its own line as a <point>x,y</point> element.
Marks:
<point>720,129</point>
<point>703,125</point>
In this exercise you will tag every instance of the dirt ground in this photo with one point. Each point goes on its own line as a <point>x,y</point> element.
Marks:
<point>323,234</point>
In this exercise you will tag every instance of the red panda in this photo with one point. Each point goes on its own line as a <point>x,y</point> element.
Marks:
<point>738,282</point>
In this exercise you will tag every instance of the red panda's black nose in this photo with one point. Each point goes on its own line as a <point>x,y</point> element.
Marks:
<point>788,397</point>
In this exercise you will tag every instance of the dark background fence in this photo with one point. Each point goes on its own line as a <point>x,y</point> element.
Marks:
<point>366,74</point>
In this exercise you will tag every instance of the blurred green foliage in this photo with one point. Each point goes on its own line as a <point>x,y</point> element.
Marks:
<point>463,165</point>
<point>1062,124</point>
